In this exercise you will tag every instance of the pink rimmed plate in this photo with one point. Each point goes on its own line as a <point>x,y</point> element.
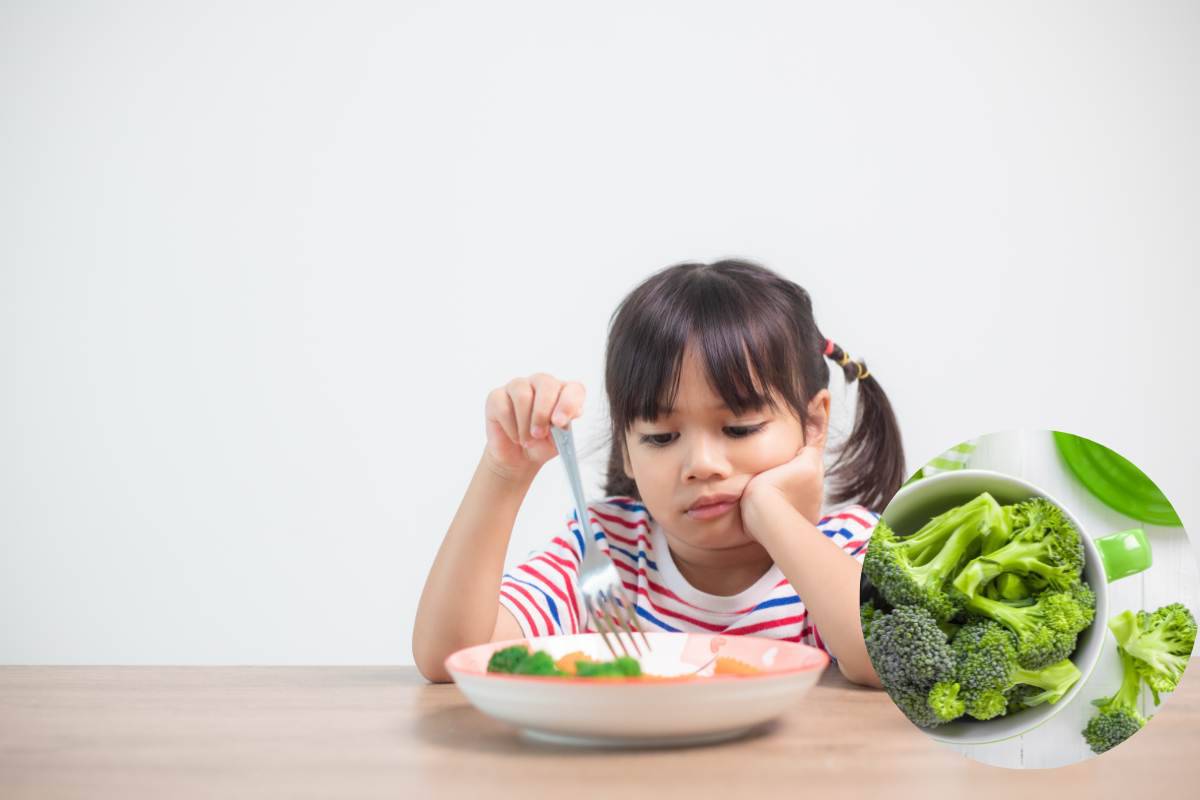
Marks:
<point>684,709</point>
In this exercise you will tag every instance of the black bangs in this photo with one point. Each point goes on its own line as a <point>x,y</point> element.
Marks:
<point>735,340</point>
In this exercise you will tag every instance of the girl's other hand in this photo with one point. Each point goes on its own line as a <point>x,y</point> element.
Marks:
<point>800,481</point>
<point>518,417</point>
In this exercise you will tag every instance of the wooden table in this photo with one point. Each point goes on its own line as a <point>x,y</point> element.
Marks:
<point>346,732</point>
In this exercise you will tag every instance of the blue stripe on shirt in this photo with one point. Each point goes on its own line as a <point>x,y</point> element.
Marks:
<point>549,599</point>
<point>837,532</point>
<point>635,559</point>
<point>641,612</point>
<point>778,601</point>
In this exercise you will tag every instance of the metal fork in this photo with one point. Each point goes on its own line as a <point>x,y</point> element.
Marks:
<point>599,582</point>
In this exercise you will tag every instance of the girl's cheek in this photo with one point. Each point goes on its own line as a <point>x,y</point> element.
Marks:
<point>775,449</point>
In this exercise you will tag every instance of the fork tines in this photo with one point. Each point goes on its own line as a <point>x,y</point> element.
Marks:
<point>620,608</point>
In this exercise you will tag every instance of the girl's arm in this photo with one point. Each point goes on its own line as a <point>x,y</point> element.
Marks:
<point>822,575</point>
<point>460,604</point>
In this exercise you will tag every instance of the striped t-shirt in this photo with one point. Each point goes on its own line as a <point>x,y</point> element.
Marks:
<point>543,591</point>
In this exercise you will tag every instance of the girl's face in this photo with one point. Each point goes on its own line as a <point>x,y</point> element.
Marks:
<point>703,449</point>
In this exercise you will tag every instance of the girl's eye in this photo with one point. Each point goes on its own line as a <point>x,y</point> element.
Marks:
<point>734,432</point>
<point>740,431</point>
<point>657,439</point>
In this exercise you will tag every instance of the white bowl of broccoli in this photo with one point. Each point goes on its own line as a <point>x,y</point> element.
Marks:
<point>985,603</point>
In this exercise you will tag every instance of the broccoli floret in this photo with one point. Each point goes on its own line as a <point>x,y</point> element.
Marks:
<point>945,702</point>
<point>910,654</point>
<point>517,660</point>
<point>1160,643</point>
<point>540,663</point>
<point>1046,631</point>
<point>987,668</point>
<point>915,570</point>
<point>508,659</point>
<point>916,707</point>
<point>1044,544</point>
<point>622,667</point>
<point>1083,594</point>
<point>1118,717</point>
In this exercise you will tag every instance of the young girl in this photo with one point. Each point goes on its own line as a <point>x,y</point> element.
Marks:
<point>717,385</point>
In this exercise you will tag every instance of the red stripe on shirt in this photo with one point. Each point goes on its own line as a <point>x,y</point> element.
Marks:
<point>568,582</point>
<point>859,520</point>
<point>641,539</point>
<point>558,540</point>
<point>568,600</point>
<point>626,523</point>
<point>663,590</point>
<point>520,607</point>
<point>532,602</point>
<point>717,628</point>
<point>571,565</point>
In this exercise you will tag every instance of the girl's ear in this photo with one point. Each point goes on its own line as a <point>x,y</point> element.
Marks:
<point>817,431</point>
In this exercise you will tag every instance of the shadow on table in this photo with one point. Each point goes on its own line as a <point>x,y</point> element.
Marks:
<point>466,728</point>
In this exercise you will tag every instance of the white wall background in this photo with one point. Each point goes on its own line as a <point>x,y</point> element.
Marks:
<point>260,265</point>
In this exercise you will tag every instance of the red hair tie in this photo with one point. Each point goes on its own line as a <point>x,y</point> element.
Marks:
<point>829,347</point>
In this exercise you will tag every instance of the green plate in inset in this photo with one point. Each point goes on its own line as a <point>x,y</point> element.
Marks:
<point>1115,480</point>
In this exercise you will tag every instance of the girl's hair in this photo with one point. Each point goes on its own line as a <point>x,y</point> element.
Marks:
<point>745,321</point>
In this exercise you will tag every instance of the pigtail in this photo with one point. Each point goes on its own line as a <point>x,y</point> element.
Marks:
<point>870,465</point>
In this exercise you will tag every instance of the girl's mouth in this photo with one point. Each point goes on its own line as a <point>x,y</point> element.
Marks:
<point>716,510</point>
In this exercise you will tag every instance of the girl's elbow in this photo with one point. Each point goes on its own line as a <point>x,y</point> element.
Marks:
<point>429,664</point>
<point>433,671</point>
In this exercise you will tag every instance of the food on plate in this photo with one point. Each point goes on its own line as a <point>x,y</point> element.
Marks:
<point>519,660</point>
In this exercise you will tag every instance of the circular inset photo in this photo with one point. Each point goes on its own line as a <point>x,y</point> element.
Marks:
<point>1029,598</point>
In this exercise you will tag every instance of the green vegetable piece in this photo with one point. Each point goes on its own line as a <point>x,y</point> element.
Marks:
<point>986,665</point>
<point>622,667</point>
<point>1044,544</point>
<point>1046,632</point>
<point>508,659</point>
<point>945,702</point>
<point>1160,643</point>
<point>911,655</point>
<point>1118,717</point>
<point>917,570</point>
<point>540,663</point>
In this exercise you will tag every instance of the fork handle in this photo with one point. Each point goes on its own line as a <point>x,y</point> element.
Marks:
<point>564,440</point>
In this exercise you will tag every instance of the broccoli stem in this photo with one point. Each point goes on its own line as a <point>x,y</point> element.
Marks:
<point>1055,679</point>
<point>928,542</point>
<point>1127,696</point>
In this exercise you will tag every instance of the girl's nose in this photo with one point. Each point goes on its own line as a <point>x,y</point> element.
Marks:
<point>705,460</point>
